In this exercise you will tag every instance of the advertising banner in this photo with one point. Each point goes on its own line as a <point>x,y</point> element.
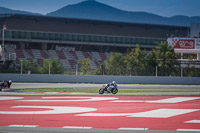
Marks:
<point>182,43</point>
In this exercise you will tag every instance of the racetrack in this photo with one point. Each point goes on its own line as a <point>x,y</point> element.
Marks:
<point>171,88</point>
<point>121,86</point>
<point>99,114</point>
<point>118,113</point>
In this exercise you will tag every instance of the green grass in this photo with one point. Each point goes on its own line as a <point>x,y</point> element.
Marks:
<point>61,90</point>
<point>96,90</point>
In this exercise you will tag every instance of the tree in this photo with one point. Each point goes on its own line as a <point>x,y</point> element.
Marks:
<point>152,63</point>
<point>54,65</point>
<point>101,69</point>
<point>85,66</point>
<point>115,64</point>
<point>190,70</point>
<point>165,58</point>
<point>129,61</point>
<point>136,59</point>
<point>45,66</point>
<point>29,65</point>
<point>35,67</point>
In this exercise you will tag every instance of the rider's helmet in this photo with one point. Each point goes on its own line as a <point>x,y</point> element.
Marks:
<point>114,83</point>
<point>10,82</point>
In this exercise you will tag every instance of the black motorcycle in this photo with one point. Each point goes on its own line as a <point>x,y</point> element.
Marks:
<point>104,90</point>
<point>5,84</point>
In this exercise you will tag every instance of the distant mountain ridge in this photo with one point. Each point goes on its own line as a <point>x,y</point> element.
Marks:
<point>4,10</point>
<point>91,9</point>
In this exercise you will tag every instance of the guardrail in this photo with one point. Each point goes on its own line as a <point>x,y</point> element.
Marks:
<point>45,78</point>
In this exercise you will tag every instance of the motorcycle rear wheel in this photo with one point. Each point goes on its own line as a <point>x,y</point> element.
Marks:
<point>115,91</point>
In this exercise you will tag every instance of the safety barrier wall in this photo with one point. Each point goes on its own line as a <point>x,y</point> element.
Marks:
<point>45,78</point>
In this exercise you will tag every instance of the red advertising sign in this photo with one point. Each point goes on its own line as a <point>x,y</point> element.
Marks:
<point>182,43</point>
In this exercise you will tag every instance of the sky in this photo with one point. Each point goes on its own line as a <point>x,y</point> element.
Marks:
<point>166,8</point>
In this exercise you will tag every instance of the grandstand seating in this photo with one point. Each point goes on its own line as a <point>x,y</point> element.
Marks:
<point>72,63</point>
<point>69,59</point>
<point>96,56</point>
<point>80,55</point>
<point>60,54</point>
<point>68,55</point>
<point>66,64</point>
<point>19,53</point>
<point>86,55</point>
<point>29,53</point>
<point>93,65</point>
<point>36,54</point>
<point>53,54</point>
<point>44,54</point>
<point>73,53</point>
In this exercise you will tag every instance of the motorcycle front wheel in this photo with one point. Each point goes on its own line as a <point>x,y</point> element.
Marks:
<point>101,91</point>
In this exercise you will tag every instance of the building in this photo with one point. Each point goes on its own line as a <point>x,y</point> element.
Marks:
<point>39,37</point>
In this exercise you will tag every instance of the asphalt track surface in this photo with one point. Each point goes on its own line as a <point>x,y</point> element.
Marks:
<point>100,114</point>
<point>16,86</point>
<point>121,86</point>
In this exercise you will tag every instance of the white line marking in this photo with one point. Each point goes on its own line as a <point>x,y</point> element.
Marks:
<point>10,98</point>
<point>163,113</point>
<point>54,110</point>
<point>133,128</point>
<point>158,113</point>
<point>167,100</point>
<point>75,127</point>
<point>50,92</point>
<point>174,100</point>
<point>105,114</point>
<point>79,99</point>
<point>193,121</point>
<point>22,125</point>
<point>197,130</point>
<point>121,101</point>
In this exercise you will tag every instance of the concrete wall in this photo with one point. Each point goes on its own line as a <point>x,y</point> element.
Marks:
<point>45,78</point>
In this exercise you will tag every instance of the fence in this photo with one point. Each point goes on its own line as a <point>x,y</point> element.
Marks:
<point>153,71</point>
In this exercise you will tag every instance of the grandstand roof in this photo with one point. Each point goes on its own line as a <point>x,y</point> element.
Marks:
<point>62,19</point>
<point>90,27</point>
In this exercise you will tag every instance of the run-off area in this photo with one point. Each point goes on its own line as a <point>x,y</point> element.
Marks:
<point>102,112</point>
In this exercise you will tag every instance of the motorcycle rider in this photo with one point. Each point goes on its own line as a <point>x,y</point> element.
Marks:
<point>111,86</point>
<point>7,83</point>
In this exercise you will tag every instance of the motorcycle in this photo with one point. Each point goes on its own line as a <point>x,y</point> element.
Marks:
<point>4,85</point>
<point>104,90</point>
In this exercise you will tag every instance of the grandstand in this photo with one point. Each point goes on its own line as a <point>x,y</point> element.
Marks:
<point>41,37</point>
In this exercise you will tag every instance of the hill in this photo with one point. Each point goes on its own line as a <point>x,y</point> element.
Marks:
<point>4,10</point>
<point>91,9</point>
